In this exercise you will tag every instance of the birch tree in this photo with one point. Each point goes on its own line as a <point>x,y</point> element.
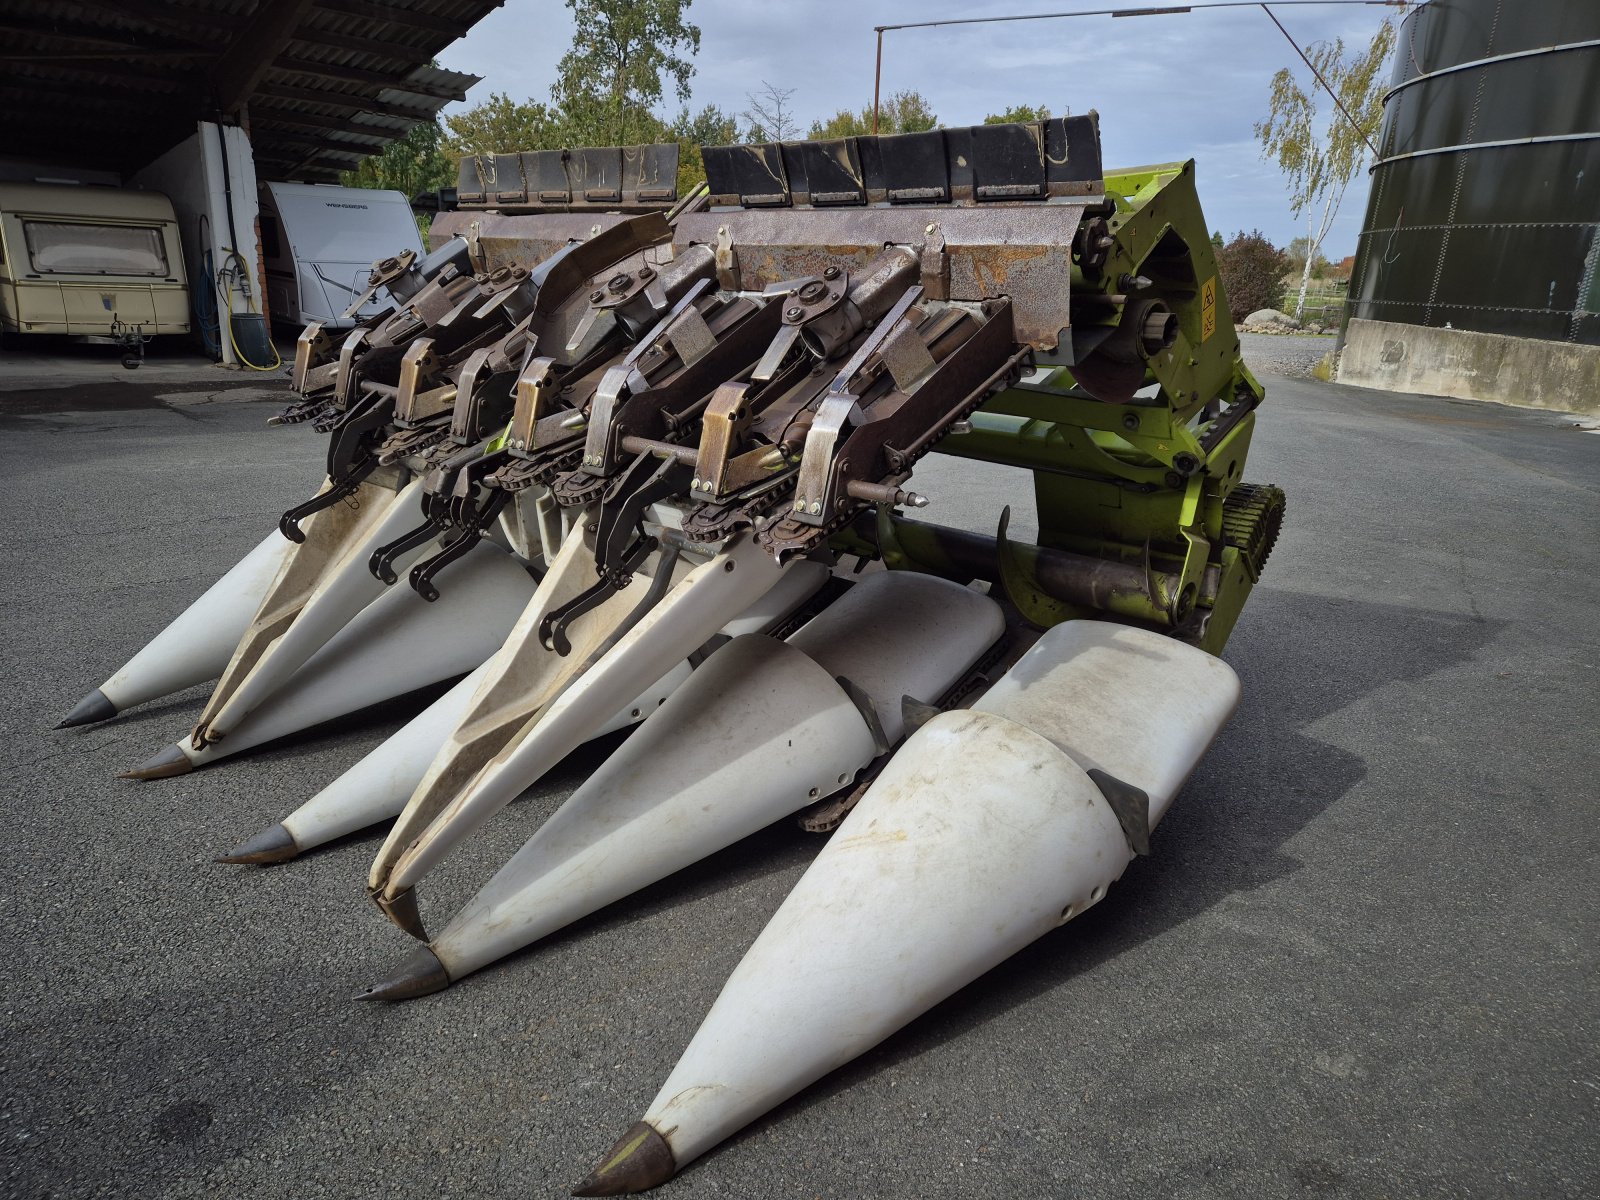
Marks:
<point>1318,149</point>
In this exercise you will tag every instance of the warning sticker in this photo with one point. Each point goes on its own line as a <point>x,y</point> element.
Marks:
<point>1208,308</point>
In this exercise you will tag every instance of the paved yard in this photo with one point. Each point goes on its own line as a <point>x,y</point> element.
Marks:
<point>1361,962</point>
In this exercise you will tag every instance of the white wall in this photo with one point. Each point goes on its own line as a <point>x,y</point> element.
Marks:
<point>192,174</point>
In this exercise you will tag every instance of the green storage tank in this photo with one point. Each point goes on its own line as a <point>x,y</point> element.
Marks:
<point>1485,206</point>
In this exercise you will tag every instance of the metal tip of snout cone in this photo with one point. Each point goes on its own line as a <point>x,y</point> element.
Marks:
<point>639,1161</point>
<point>420,975</point>
<point>274,844</point>
<point>93,707</point>
<point>171,761</point>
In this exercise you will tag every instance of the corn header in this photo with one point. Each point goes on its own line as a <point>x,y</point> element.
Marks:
<point>611,457</point>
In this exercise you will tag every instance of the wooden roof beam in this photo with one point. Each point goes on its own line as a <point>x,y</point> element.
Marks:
<point>268,115</point>
<point>159,15</point>
<point>377,47</point>
<point>393,14</point>
<point>254,47</point>
<point>339,71</point>
<point>96,37</point>
<point>345,100</point>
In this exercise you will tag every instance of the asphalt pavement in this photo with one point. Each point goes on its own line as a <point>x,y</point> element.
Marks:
<point>1361,961</point>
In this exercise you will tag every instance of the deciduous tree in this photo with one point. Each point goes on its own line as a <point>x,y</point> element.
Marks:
<point>903,112</point>
<point>769,118</point>
<point>410,165</point>
<point>1318,149</point>
<point>708,127</point>
<point>1018,112</point>
<point>501,125</point>
<point>1252,271</point>
<point>621,50</point>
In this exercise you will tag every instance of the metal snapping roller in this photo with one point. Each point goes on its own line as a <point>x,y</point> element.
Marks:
<point>647,460</point>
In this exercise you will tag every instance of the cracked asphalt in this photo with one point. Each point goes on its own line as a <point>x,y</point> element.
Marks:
<point>1360,963</point>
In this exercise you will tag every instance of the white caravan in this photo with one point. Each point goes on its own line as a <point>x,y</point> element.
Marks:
<point>320,241</point>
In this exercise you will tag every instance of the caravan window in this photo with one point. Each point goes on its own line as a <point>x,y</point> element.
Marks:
<point>70,248</point>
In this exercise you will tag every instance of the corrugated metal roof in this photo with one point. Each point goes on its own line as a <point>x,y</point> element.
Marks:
<point>112,84</point>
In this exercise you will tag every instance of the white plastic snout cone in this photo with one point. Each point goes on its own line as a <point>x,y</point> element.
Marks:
<point>694,610</point>
<point>982,834</point>
<point>196,645</point>
<point>760,730</point>
<point>328,534</point>
<point>345,589</point>
<point>525,677</point>
<point>377,787</point>
<point>397,644</point>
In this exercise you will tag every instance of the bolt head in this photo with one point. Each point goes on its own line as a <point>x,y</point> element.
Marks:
<point>799,506</point>
<point>794,312</point>
<point>596,297</point>
<point>620,282</point>
<point>646,273</point>
<point>831,273</point>
<point>816,507</point>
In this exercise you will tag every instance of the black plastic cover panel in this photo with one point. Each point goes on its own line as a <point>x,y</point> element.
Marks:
<point>601,178</point>
<point>981,164</point>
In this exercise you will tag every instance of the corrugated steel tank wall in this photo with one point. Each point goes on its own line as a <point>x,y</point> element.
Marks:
<point>1485,204</point>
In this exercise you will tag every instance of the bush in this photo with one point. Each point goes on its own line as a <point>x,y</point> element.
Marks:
<point>1252,274</point>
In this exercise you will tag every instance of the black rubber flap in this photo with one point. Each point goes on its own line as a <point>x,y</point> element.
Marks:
<point>650,173</point>
<point>1008,161</point>
<point>750,176</point>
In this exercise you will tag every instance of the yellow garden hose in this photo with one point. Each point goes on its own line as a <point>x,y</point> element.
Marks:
<point>227,308</point>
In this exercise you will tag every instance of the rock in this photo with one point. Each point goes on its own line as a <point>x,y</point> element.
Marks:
<point>1271,316</point>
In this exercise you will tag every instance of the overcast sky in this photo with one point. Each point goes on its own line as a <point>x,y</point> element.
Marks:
<point>1166,87</point>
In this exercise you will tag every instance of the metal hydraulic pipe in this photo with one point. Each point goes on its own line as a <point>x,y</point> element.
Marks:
<point>1102,584</point>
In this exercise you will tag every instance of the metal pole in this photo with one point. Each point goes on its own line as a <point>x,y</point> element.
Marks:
<point>877,78</point>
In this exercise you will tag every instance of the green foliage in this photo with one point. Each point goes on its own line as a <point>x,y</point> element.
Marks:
<point>607,85</point>
<point>903,112</point>
<point>1252,270</point>
<point>410,165</point>
<point>501,125</point>
<point>612,76</point>
<point>1314,145</point>
<point>1216,239</point>
<point>1319,149</point>
<point>1018,112</point>
<point>1297,251</point>
<point>708,127</point>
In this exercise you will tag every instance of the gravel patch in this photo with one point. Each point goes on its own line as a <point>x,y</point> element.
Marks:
<point>1291,354</point>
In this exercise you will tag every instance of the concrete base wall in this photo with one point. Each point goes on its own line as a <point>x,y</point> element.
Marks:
<point>1471,366</point>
